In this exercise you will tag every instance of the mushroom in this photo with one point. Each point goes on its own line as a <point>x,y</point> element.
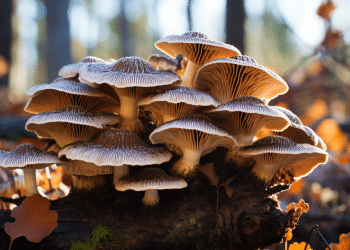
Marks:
<point>131,78</point>
<point>70,124</point>
<point>28,158</point>
<point>150,180</point>
<point>176,102</point>
<point>274,153</point>
<point>191,136</point>
<point>65,92</point>
<point>114,149</point>
<point>228,78</point>
<point>197,48</point>
<point>178,64</point>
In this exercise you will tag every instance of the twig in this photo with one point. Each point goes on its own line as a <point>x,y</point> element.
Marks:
<point>316,229</point>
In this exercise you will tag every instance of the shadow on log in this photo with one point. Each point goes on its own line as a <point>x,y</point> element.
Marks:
<point>187,218</point>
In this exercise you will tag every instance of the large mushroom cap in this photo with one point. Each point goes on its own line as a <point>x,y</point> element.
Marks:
<point>197,48</point>
<point>176,102</point>
<point>245,116</point>
<point>275,152</point>
<point>192,136</point>
<point>65,92</point>
<point>72,70</point>
<point>70,124</point>
<point>228,78</point>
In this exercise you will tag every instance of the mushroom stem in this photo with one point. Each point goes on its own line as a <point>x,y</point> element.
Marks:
<point>186,166</point>
<point>265,171</point>
<point>129,114</point>
<point>151,197</point>
<point>30,181</point>
<point>190,73</point>
<point>119,172</point>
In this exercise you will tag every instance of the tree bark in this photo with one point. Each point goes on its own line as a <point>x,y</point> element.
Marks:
<point>235,16</point>
<point>58,39</point>
<point>191,218</point>
<point>5,38</point>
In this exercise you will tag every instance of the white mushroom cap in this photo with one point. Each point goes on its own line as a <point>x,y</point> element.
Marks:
<point>72,70</point>
<point>70,124</point>
<point>65,92</point>
<point>131,78</point>
<point>245,116</point>
<point>28,158</point>
<point>275,152</point>
<point>197,48</point>
<point>228,78</point>
<point>150,180</point>
<point>176,102</point>
<point>116,147</point>
<point>192,136</point>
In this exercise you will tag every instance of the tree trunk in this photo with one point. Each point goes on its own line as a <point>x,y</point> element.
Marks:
<point>5,40</point>
<point>235,16</point>
<point>58,40</point>
<point>197,217</point>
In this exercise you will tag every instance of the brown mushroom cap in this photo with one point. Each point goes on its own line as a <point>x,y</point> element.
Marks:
<point>131,78</point>
<point>72,70</point>
<point>28,158</point>
<point>245,116</point>
<point>228,78</point>
<point>273,153</point>
<point>70,124</point>
<point>197,48</point>
<point>115,148</point>
<point>65,92</point>
<point>191,136</point>
<point>176,102</point>
<point>150,180</point>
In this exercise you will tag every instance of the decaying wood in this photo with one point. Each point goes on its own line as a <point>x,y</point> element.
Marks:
<point>187,218</point>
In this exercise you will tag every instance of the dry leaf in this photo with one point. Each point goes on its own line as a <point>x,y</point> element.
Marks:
<point>289,234</point>
<point>229,191</point>
<point>301,207</point>
<point>344,243</point>
<point>326,9</point>
<point>209,172</point>
<point>299,246</point>
<point>34,219</point>
<point>296,187</point>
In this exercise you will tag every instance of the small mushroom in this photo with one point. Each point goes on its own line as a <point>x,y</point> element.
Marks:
<point>177,64</point>
<point>150,180</point>
<point>197,48</point>
<point>28,158</point>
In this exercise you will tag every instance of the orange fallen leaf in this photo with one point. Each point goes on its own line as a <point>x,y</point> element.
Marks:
<point>34,220</point>
<point>299,246</point>
<point>300,208</point>
<point>296,187</point>
<point>326,9</point>
<point>289,234</point>
<point>344,243</point>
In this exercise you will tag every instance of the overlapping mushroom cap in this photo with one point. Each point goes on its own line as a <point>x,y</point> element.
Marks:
<point>117,148</point>
<point>28,158</point>
<point>197,48</point>
<point>72,70</point>
<point>192,136</point>
<point>245,116</point>
<point>65,92</point>
<point>150,180</point>
<point>70,124</point>
<point>130,77</point>
<point>176,102</point>
<point>228,78</point>
<point>274,153</point>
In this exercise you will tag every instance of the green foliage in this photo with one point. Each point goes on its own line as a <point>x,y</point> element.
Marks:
<point>101,233</point>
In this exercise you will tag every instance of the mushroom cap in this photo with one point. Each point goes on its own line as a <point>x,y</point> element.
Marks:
<point>228,78</point>
<point>277,153</point>
<point>176,102</point>
<point>116,147</point>
<point>27,156</point>
<point>193,132</point>
<point>245,116</point>
<point>70,124</point>
<point>72,70</point>
<point>65,92</point>
<point>196,47</point>
<point>127,72</point>
<point>296,131</point>
<point>150,178</point>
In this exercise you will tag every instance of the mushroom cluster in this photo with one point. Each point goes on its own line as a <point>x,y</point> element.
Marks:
<point>208,98</point>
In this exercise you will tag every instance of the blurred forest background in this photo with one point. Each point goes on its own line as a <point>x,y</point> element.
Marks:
<point>306,42</point>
